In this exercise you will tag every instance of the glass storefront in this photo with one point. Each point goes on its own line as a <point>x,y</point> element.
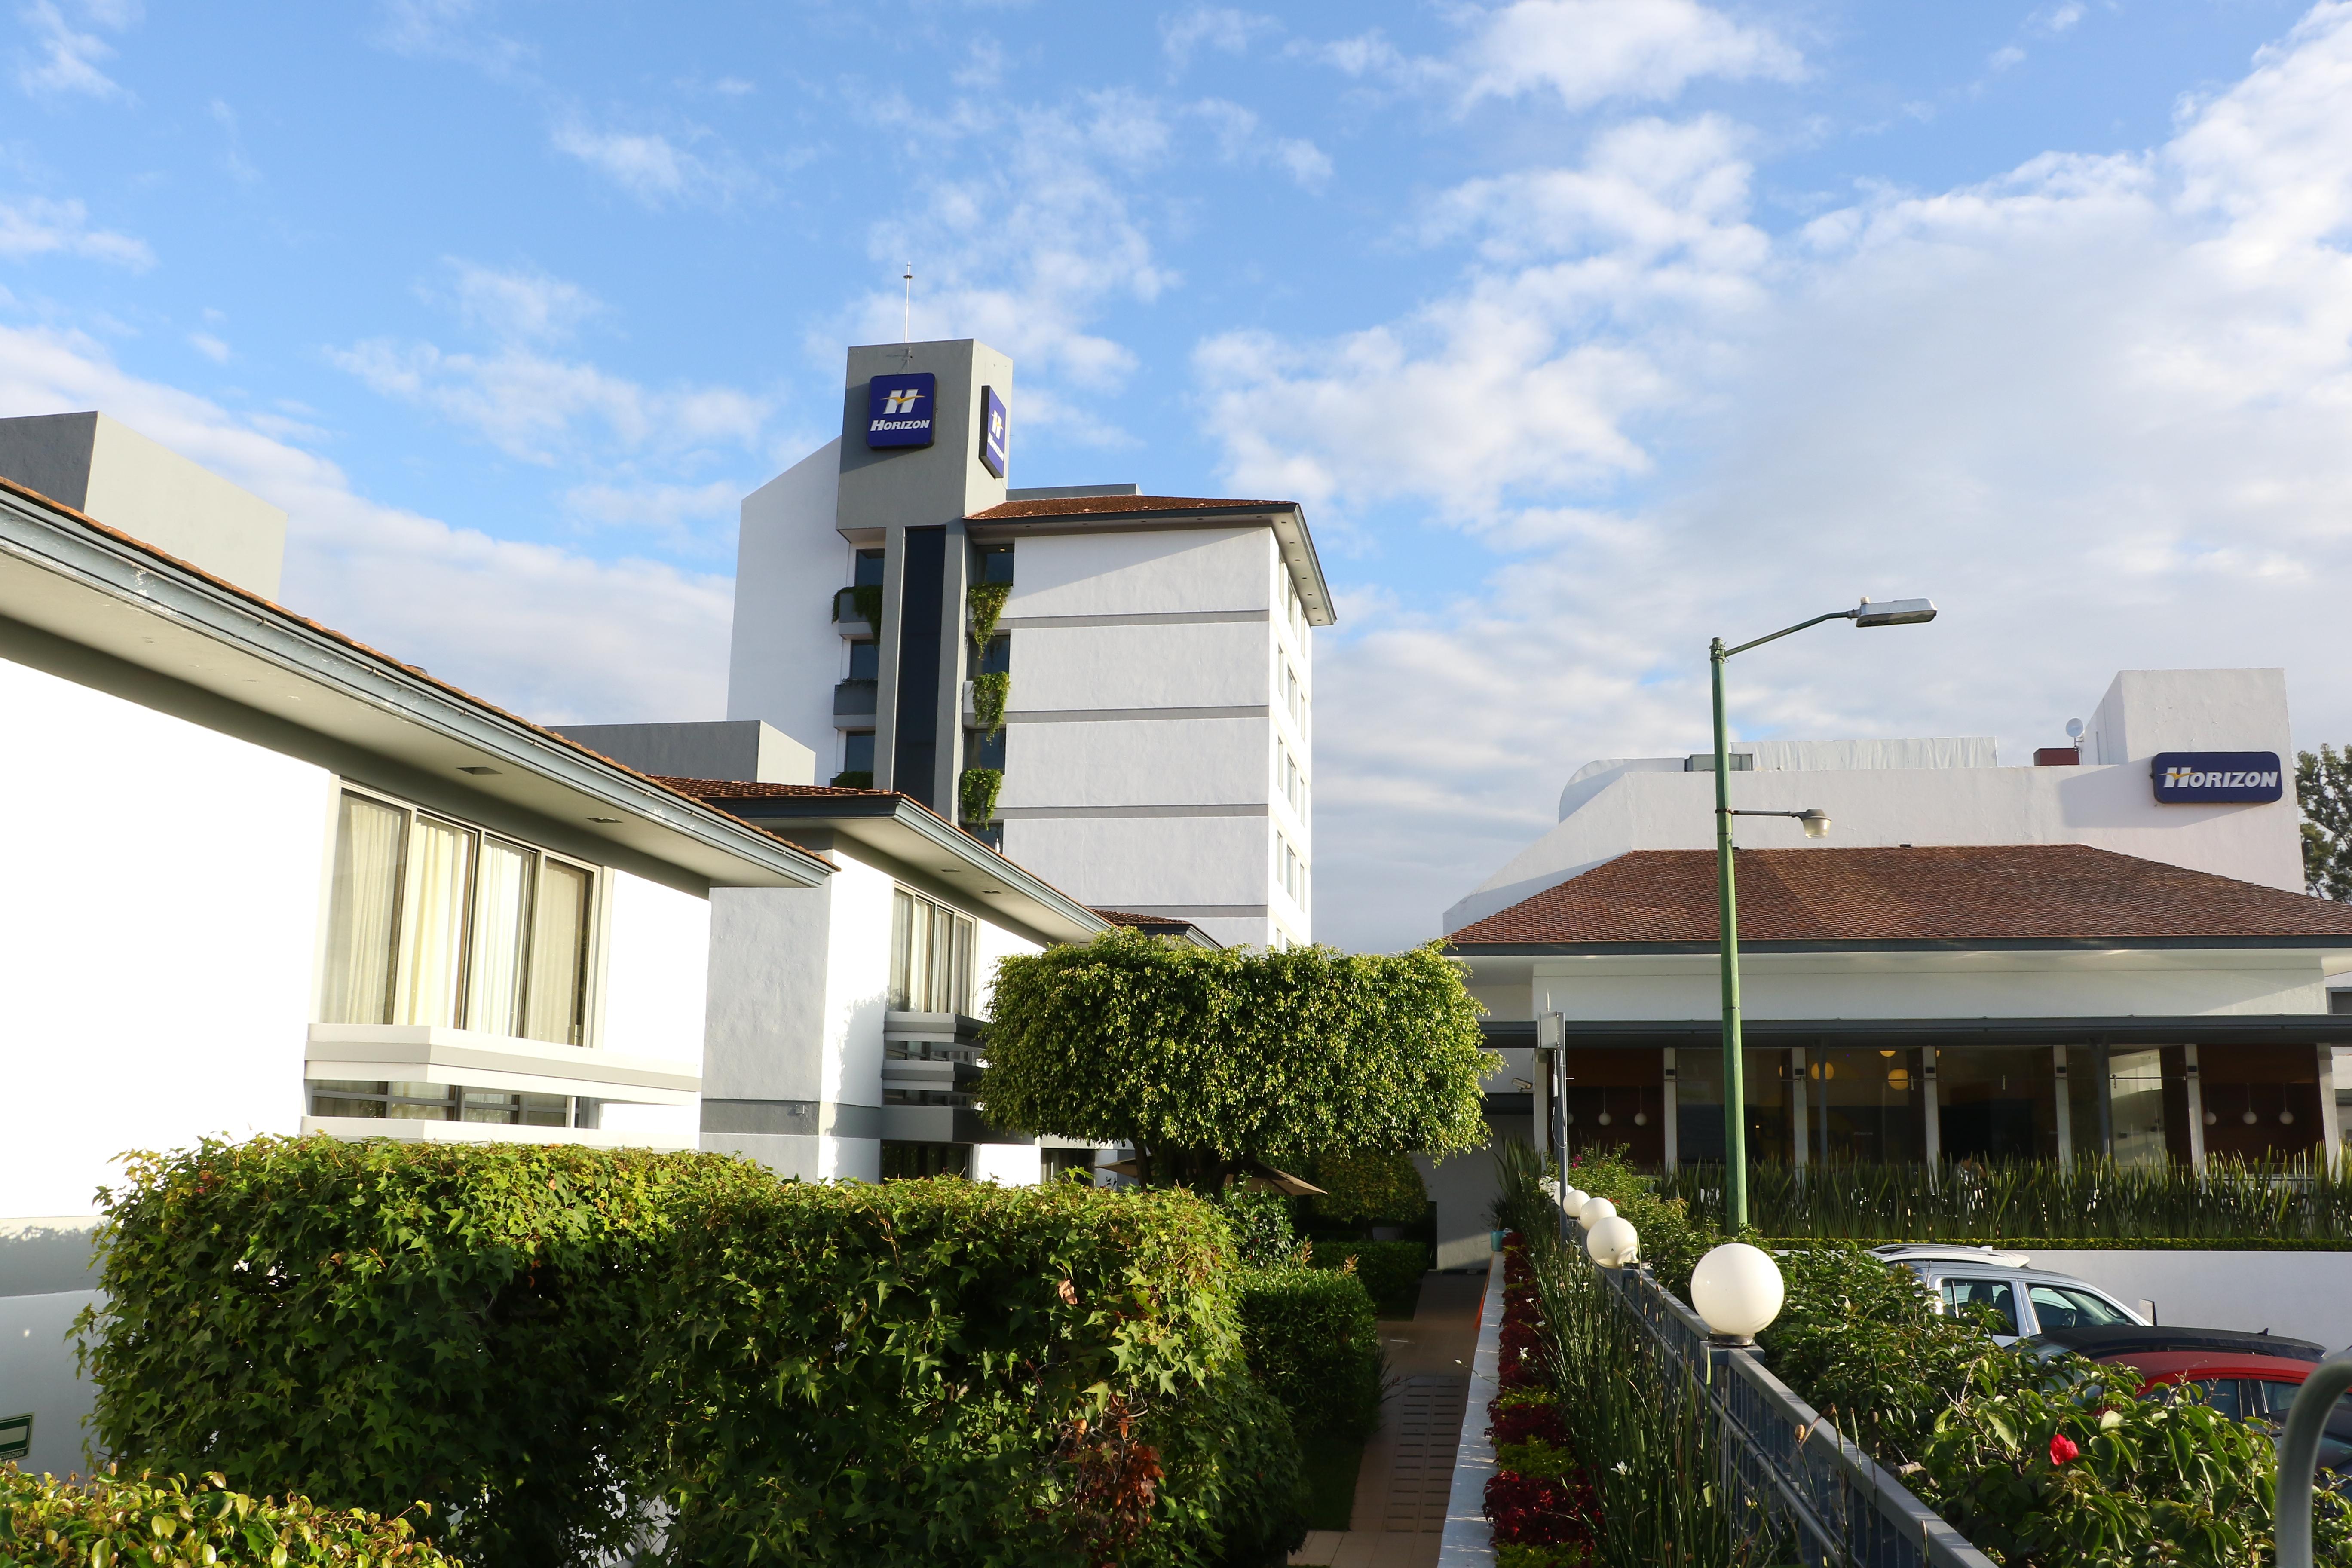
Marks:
<point>1698,1100</point>
<point>1998,1103</point>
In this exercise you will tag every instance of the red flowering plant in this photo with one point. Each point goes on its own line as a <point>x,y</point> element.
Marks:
<point>1540,1504</point>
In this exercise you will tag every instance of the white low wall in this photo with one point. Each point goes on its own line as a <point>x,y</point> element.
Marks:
<point>1469,1539</point>
<point>2306,1294</point>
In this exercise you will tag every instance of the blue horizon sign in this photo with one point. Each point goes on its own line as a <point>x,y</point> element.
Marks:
<point>899,409</point>
<point>993,432</point>
<point>2217,778</point>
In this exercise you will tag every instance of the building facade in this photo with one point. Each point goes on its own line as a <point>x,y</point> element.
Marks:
<point>1117,689</point>
<point>264,879</point>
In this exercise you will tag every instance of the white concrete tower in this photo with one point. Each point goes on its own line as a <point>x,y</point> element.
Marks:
<point>1155,741</point>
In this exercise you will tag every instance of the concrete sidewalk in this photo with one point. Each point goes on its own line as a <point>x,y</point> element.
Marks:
<point>1408,1471</point>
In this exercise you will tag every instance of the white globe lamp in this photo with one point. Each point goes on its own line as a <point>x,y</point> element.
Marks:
<point>1613,1242</point>
<point>1736,1288</point>
<point>1593,1211</point>
<point>1574,1199</point>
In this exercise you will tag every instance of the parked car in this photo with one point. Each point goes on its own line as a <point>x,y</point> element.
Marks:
<point>2127,1343</point>
<point>2024,1300</point>
<point>2245,1386</point>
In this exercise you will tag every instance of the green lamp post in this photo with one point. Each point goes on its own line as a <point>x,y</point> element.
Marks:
<point>1885,613</point>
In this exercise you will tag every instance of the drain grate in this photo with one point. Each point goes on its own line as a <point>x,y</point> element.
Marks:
<point>1428,1415</point>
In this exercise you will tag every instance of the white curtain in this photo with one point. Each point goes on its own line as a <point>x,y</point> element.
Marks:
<point>494,960</point>
<point>363,903</point>
<point>559,955</point>
<point>440,860</point>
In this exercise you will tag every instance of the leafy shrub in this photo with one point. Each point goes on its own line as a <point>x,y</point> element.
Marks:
<point>369,1324</point>
<point>1262,1232</point>
<point>1372,1186</point>
<point>1391,1270</point>
<point>1313,1341</point>
<point>151,1522</point>
<point>545,1341</point>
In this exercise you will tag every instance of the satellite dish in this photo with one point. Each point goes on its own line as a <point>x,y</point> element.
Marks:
<point>2074,728</point>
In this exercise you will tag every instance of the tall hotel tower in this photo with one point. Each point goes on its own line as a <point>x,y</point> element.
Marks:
<point>1128,676</point>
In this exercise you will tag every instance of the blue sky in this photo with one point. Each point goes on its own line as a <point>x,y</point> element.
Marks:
<point>1584,328</point>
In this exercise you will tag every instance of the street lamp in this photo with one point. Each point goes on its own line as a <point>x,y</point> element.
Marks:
<point>1816,824</point>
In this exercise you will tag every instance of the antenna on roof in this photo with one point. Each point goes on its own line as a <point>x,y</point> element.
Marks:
<point>907,326</point>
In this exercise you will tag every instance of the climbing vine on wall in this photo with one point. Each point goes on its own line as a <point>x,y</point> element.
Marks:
<point>990,693</point>
<point>986,601</point>
<point>977,791</point>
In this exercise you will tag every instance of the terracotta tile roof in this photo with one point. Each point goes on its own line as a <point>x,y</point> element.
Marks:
<point>748,789</point>
<point>322,630</point>
<point>1960,893</point>
<point>1119,505</point>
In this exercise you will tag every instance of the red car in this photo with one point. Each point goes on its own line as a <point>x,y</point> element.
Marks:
<point>2245,1387</point>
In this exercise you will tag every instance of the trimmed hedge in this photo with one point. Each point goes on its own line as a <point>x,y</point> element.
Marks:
<point>1313,1341</point>
<point>152,1522</point>
<point>1263,1231</point>
<point>1391,1270</point>
<point>543,1342</point>
<point>1370,1185</point>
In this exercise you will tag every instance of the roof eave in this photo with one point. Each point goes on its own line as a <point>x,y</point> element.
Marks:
<point>72,577</point>
<point>1940,944</point>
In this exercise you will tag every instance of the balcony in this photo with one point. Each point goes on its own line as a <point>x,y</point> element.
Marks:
<point>856,699</point>
<point>425,1053</point>
<point>852,619</point>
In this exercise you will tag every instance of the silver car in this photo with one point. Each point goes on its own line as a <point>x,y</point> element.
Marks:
<point>2024,1300</point>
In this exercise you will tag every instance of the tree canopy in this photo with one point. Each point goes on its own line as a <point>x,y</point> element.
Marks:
<point>2323,787</point>
<point>1203,1060</point>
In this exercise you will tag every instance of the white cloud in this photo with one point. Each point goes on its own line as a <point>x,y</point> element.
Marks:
<point>211,347</point>
<point>449,29</point>
<point>1242,138</point>
<point>541,631</point>
<point>2095,406</point>
<point>39,227</point>
<point>1586,51</point>
<point>68,59</point>
<point>651,167</point>
<point>699,518</point>
<point>1220,28</point>
<point>519,304</point>
<point>1028,247</point>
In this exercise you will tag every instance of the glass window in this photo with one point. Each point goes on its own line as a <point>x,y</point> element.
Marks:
<point>2136,1090</point>
<point>2221,1393</point>
<point>1961,1295</point>
<point>432,916</point>
<point>930,955</point>
<point>858,751</point>
<point>363,909</point>
<point>914,1162</point>
<point>2063,1307</point>
<point>996,563</point>
<point>868,570</point>
<point>559,956</point>
<point>864,659</point>
<point>433,922</point>
<point>494,956</point>
<point>438,1102</point>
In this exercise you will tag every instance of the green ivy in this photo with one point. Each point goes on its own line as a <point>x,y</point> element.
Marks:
<point>986,603</point>
<point>1200,1059</point>
<point>854,778</point>
<point>867,600</point>
<point>991,690</point>
<point>976,793</point>
<point>168,1522</point>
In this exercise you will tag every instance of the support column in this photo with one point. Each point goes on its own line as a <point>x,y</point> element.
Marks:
<point>886,661</point>
<point>1931,1113</point>
<point>955,660</point>
<point>2194,1084</point>
<point>1797,1103</point>
<point>2105,1100</point>
<point>1539,1072</point>
<point>1669,1108</point>
<point>2331,1118</point>
<point>2066,1108</point>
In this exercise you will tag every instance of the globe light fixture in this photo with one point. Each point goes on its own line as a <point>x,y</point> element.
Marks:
<point>2250,1118</point>
<point>1593,1211</point>
<point>1815,822</point>
<point>1574,1199</point>
<point>1738,1289</point>
<point>1613,1243</point>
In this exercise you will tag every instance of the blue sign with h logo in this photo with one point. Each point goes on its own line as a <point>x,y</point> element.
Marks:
<point>899,409</point>
<point>992,431</point>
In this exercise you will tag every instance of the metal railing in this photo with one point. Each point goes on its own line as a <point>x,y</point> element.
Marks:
<point>1783,1461</point>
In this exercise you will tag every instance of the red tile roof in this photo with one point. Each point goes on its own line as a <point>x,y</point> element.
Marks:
<point>748,789</point>
<point>1119,505</point>
<point>2018,892</point>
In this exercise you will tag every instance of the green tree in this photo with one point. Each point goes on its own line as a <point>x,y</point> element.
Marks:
<point>2323,787</point>
<point>1204,1059</point>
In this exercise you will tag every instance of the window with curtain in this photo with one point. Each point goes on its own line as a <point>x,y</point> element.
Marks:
<point>432,921</point>
<point>930,955</point>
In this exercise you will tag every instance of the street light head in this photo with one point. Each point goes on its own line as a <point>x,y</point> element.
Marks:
<point>1894,613</point>
<point>1815,822</point>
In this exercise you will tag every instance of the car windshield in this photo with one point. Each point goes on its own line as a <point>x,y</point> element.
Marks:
<point>2070,1307</point>
<point>1961,1295</point>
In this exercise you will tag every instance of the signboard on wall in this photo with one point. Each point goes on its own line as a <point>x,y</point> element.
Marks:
<point>993,432</point>
<point>899,408</point>
<point>2217,778</point>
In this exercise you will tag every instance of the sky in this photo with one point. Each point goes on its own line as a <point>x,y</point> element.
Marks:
<point>1583,331</point>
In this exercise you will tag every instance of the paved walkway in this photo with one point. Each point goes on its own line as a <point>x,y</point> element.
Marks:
<point>1401,1492</point>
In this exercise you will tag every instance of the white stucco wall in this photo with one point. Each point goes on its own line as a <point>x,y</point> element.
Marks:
<point>1932,985</point>
<point>1162,571</point>
<point>657,950</point>
<point>1135,762</point>
<point>786,652</point>
<point>164,892</point>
